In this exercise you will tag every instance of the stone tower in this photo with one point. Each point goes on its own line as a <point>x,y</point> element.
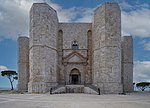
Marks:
<point>42,48</point>
<point>127,63</point>
<point>23,64</point>
<point>107,48</point>
<point>75,57</point>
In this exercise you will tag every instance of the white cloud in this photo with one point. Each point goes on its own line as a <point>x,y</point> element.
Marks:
<point>86,15</point>
<point>75,14</point>
<point>146,46</point>
<point>14,16</point>
<point>123,33</point>
<point>136,20</point>
<point>67,15</point>
<point>125,5</point>
<point>2,68</point>
<point>141,71</point>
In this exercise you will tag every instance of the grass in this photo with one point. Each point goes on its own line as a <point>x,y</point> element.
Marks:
<point>9,91</point>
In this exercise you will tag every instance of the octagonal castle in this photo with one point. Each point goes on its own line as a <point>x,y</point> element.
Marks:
<point>75,57</point>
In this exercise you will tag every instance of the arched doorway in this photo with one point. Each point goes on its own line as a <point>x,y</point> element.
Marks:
<point>75,76</point>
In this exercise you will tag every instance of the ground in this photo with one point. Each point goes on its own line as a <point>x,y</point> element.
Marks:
<point>133,100</point>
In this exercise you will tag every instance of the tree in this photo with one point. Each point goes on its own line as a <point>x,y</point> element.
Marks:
<point>143,85</point>
<point>11,75</point>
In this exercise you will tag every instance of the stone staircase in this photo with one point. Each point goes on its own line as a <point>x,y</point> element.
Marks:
<point>88,89</point>
<point>74,88</point>
<point>91,89</point>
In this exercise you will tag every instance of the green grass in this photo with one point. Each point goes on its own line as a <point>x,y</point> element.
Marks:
<point>9,91</point>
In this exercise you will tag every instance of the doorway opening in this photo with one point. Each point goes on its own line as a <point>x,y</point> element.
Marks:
<point>75,77</point>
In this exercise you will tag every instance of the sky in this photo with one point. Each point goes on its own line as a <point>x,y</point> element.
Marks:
<point>135,14</point>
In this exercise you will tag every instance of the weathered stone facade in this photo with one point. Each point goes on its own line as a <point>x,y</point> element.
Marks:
<point>23,63</point>
<point>75,56</point>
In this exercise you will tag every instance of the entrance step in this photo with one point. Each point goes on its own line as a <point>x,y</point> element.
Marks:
<point>75,89</point>
<point>91,89</point>
<point>59,90</point>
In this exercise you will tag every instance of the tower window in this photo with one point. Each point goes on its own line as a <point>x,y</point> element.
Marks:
<point>75,45</point>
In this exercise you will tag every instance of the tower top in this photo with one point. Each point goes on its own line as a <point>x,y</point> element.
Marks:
<point>108,4</point>
<point>44,4</point>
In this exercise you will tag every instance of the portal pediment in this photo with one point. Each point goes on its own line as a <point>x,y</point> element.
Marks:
<point>74,57</point>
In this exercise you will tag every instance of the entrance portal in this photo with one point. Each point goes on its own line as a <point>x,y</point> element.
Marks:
<point>75,77</point>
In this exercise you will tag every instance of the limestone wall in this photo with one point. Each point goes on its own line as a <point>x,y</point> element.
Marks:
<point>78,32</point>
<point>43,48</point>
<point>127,63</point>
<point>23,63</point>
<point>107,48</point>
<point>74,31</point>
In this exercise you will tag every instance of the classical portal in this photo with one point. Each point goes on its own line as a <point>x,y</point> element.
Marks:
<point>75,57</point>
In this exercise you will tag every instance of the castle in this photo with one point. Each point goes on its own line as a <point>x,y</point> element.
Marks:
<point>75,57</point>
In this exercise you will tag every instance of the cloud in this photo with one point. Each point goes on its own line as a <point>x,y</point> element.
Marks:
<point>75,14</point>
<point>14,16</point>
<point>146,46</point>
<point>86,15</point>
<point>135,20</point>
<point>126,6</point>
<point>2,68</point>
<point>141,71</point>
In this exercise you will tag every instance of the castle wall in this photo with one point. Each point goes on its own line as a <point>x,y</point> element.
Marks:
<point>127,63</point>
<point>74,31</point>
<point>48,58</point>
<point>107,48</point>
<point>43,48</point>
<point>78,32</point>
<point>23,64</point>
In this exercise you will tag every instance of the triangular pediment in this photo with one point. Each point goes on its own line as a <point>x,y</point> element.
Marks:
<point>75,57</point>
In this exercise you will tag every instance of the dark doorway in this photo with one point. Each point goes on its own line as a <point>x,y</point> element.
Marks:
<point>75,79</point>
<point>75,76</point>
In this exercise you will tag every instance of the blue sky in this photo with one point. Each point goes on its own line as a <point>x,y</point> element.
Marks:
<point>14,22</point>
